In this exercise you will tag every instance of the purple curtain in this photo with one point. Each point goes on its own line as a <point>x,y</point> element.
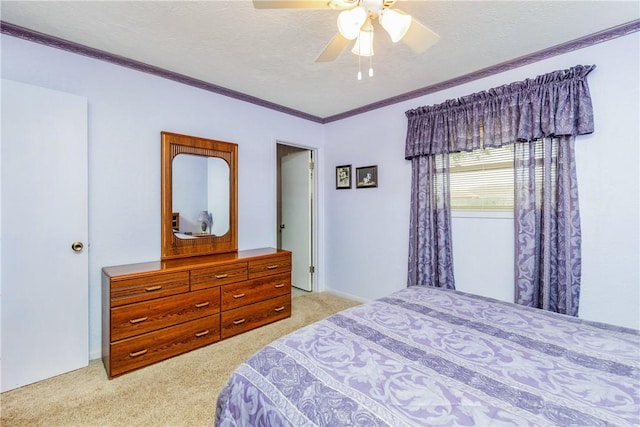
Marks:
<point>554,105</point>
<point>547,224</point>
<point>430,260</point>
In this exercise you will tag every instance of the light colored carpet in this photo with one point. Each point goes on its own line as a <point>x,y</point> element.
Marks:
<point>181,391</point>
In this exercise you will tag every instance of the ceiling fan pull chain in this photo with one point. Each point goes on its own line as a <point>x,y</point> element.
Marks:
<point>371,57</point>
<point>359,69</point>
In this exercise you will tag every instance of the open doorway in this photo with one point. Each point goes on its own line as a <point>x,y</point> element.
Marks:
<point>295,211</point>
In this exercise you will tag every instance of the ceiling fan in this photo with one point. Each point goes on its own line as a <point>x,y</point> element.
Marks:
<point>355,22</point>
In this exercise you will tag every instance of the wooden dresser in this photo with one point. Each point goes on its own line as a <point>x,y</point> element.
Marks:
<point>155,310</point>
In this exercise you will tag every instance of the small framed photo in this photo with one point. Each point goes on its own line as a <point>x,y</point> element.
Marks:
<point>343,177</point>
<point>367,177</point>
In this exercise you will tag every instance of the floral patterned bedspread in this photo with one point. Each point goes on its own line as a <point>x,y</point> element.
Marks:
<point>427,356</point>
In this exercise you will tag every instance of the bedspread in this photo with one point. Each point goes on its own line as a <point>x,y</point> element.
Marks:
<point>428,356</point>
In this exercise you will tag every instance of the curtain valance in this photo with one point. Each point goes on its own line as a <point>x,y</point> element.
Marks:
<point>553,104</point>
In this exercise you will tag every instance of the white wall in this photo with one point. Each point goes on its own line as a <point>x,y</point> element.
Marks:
<point>367,229</point>
<point>127,112</point>
<point>363,232</point>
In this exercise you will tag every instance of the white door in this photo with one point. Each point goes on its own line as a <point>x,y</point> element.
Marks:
<point>296,185</point>
<point>44,285</point>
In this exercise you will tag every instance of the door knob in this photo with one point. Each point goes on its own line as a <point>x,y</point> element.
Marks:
<point>77,246</point>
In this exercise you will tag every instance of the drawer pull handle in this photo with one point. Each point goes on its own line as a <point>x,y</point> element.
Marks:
<point>138,353</point>
<point>271,267</point>
<point>238,296</point>
<point>138,320</point>
<point>279,308</point>
<point>203,333</point>
<point>221,276</point>
<point>281,285</point>
<point>153,288</point>
<point>202,304</point>
<point>239,322</point>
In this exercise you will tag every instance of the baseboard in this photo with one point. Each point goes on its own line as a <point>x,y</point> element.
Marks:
<point>346,295</point>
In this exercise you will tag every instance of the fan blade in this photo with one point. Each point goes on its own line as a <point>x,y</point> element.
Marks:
<point>419,37</point>
<point>291,4</point>
<point>333,49</point>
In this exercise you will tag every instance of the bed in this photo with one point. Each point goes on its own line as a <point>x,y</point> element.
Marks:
<point>428,356</point>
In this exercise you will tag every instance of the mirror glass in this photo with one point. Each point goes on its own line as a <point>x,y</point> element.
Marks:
<point>200,189</point>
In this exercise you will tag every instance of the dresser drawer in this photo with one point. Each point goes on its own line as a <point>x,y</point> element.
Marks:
<point>243,293</point>
<point>272,265</point>
<point>128,291</point>
<point>251,316</point>
<point>135,319</point>
<point>143,350</point>
<point>215,276</point>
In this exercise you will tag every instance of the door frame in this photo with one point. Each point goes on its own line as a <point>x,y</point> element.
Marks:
<point>314,204</point>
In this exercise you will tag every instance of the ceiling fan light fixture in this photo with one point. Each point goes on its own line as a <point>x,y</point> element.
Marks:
<point>342,4</point>
<point>350,22</point>
<point>364,42</point>
<point>395,23</point>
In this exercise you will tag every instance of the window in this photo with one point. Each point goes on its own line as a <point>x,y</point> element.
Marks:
<point>482,180</point>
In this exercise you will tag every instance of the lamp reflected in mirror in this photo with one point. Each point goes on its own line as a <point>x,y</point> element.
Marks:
<point>205,222</point>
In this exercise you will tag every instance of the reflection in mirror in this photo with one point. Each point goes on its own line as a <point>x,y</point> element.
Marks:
<point>200,195</point>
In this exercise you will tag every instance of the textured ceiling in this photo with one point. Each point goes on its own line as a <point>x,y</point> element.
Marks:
<point>269,54</point>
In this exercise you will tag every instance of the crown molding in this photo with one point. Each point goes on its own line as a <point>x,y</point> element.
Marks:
<point>592,39</point>
<point>58,43</point>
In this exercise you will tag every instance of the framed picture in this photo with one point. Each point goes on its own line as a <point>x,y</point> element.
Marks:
<point>343,177</point>
<point>367,177</point>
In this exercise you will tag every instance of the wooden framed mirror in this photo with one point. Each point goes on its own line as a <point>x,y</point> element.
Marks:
<point>199,196</point>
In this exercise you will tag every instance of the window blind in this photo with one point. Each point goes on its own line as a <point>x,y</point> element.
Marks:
<point>482,180</point>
